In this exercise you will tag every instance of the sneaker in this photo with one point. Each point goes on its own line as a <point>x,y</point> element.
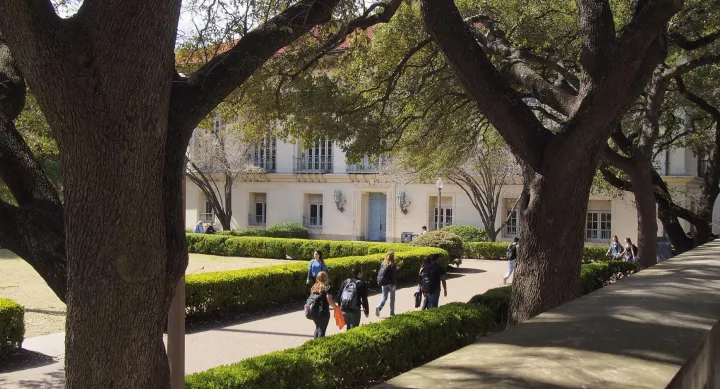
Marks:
<point>377,311</point>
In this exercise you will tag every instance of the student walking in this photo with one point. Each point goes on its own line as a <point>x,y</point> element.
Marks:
<point>616,249</point>
<point>424,281</point>
<point>631,251</point>
<point>199,229</point>
<point>387,279</point>
<point>511,254</point>
<point>438,277</point>
<point>316,265</point>
<point>317,307</point>
<point>352,296</point>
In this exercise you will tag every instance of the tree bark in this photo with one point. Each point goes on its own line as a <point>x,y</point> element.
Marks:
<point>552,225</point>
<point>646,212</point>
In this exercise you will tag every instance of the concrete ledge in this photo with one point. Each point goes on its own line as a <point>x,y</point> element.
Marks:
<point>656,329</point>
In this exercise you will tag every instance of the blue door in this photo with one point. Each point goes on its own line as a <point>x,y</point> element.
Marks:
<point>376,216</point>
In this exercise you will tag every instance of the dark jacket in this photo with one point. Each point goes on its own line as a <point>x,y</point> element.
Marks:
<point>362,293</point>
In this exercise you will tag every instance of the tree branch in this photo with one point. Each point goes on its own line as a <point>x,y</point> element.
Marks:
<point>692,65</point>
<point>682,42</point>
<point>485,85</point>
<point>193,98</point>
<point>597,30</point>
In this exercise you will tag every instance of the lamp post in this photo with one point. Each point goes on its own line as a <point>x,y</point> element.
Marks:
<point>439,186</point>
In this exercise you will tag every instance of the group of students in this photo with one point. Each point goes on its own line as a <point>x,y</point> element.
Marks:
<point>617,251</point>
<point>352,296</point>
<point>200,228</point>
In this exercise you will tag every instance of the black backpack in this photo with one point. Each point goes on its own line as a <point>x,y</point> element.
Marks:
<point>511,252</point>
<point>349,296</point>
<point>381,275</point>
<point>635,249</point>
<point>425,281</point>
<point>313,306</point>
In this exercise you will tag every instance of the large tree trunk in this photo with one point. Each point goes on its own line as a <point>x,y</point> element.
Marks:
<point>109,109</point>
<point>117,291</point>
<point>552,225</point>
<point>646,212</point>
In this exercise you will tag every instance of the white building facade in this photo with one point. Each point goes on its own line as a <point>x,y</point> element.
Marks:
<point>316,187</point>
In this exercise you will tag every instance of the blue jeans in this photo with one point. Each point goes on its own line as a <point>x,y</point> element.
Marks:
<point>352,318</point>
<point>511,269</point>
<point>387,289</point>
<point>433,299</point>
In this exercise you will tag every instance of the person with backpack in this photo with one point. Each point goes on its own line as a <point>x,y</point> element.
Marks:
<point>424,281</point>
<point>511,255</point>
<point>438,277</point>
<point>352,296</point>
<point>316,265</point>
<point>387,280</point>
<point>317,306</point>
<point>631,251</point>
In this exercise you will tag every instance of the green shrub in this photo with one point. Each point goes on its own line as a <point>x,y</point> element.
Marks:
<point>358,358</point>
<point>12,325</point>
<point>252,289</point>
<point>498,300</point>
<point>281,248</point>
<point>497,250</point>
<point>595,254</point>
<point>485,250</point>
<point>444,240</point>
<point>468,233</point>
<point>288,230</point>
<point>593,276</point>
<point>207,243</point>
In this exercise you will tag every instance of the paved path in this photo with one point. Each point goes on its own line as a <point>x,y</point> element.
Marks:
<point>230,344</point>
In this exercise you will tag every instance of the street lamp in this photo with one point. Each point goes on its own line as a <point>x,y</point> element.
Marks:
<point>439,186</point>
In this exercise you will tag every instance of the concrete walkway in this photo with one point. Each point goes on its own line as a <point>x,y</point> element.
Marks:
<point>656,329</point>
<point>226,345</point>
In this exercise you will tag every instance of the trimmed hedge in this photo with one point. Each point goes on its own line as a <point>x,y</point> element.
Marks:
<point>252,289</point>
<point>444,240</point>
<point>468,233</point>
<point>212,244</point>
<point>280,230</point>
<point>12,325</point>
<point>497,250</point>
<point>281,248</point>
<point>374,352</point>
<point>593,276</point>
<point>303,248</point>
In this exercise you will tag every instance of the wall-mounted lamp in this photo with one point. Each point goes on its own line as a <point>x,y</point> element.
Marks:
<point>339,201</point>
<point>402,203</point>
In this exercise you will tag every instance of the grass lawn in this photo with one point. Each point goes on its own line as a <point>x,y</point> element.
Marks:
<point>45,313</point>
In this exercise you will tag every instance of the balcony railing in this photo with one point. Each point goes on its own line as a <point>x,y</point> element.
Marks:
<point>312,222</point>
<point>313,165</point>
<point>266,164</point>
<point>256,220</point>
<point>367,165</point>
